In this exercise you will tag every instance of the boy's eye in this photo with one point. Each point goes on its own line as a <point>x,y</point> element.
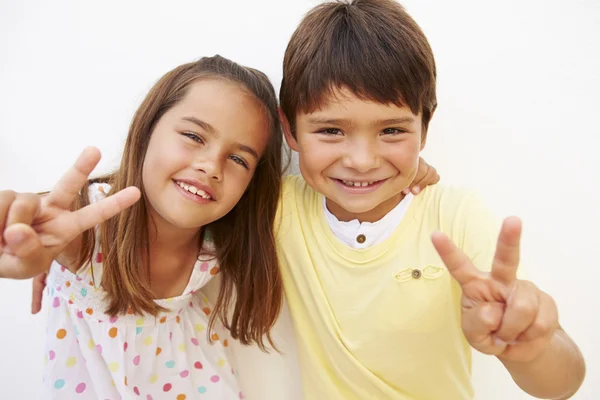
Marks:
<point>392,131</point>
<point>193,136</point>
<point>330,131</point>
<point>240,161</point>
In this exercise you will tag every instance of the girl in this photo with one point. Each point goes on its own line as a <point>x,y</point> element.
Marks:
<point>204,149</point>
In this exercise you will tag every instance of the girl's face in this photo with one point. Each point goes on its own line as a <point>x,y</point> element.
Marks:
<point>203,153</point>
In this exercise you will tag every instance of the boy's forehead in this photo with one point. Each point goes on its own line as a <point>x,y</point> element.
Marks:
<point>343,102</point>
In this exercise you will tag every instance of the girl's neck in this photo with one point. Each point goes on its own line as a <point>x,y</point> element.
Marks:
<point>173,252</point>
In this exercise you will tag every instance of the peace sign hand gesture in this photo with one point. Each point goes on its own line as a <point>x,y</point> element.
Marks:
<point>501,315</point>
<point>34,230</point>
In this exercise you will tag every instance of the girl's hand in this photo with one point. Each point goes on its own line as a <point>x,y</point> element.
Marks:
<point>426,176</point>
<point>35,229</point>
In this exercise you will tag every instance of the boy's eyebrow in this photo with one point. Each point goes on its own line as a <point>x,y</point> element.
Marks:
<point>334,121</point>
<point>209,128</point>
<point>393,121</point>
<point>204,125</point>
<point>326,121</point>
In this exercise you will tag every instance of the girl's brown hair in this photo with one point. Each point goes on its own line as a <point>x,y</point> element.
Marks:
<point>244,239</point>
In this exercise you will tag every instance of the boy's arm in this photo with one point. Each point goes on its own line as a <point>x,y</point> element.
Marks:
<point>557,373</point>
<point>508,317</point>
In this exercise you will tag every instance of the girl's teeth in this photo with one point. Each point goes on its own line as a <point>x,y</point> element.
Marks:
<point>195,190</point>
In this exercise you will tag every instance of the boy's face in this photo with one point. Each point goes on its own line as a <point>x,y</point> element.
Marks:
<point>359,154</point>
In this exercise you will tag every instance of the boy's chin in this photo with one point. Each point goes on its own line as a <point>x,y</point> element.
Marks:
<point>365,210</point>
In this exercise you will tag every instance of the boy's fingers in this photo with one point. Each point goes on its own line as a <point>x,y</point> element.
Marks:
<point>479,322</point>
<point>68,187</point>
<point>458,264</point>
<point>96,213</point>
<point>521,311</point>
<point>23,209</point>
<point>506,259</point>
<point>546,321</point>
<point>37,293</point>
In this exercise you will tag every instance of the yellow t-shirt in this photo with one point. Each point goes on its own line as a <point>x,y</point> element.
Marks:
<point>382,322</point>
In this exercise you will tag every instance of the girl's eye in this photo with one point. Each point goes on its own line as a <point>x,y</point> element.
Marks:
<point>392,131</point>
<point>240,161</point>
<point>193,136</point>
<point>330,131</point>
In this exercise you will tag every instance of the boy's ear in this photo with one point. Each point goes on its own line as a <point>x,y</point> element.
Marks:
<point>287,131</point>
<point>424,132</point>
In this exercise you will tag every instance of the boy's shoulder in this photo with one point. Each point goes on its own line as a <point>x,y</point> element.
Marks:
<point>295,187</point>
<point>457,211</point>
<point>449,202</point>
<point>292,182</point>
<point>447,197</point>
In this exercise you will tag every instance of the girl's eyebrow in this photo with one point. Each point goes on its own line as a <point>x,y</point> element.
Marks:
<point>202,124</point>
<point>209,128</point>
<point>249,150</point>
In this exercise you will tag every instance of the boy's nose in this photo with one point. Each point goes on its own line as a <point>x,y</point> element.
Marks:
<point>362,158</point>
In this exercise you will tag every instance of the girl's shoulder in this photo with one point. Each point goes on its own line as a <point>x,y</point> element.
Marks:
<point>98,191</point>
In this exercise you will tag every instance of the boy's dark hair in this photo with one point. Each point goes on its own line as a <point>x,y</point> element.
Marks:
<point>371,47</point>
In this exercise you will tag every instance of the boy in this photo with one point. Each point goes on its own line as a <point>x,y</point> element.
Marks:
<point>379,312</point>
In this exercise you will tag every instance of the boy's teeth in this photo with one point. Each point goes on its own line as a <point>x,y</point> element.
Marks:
<point>357,184</point>
<point>195,190</point>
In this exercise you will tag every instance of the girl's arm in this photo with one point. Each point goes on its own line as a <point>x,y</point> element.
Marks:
<point>35,230</point>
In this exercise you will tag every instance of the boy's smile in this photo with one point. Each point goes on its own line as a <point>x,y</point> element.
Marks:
<point>360,154</point>
<point>359,186</point>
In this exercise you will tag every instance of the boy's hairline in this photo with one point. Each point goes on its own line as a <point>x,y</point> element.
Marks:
<point>333,93</point>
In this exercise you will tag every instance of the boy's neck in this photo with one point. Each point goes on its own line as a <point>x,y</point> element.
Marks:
<point>372,215</point>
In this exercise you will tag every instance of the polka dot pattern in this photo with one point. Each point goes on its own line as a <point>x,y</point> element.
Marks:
<point>80,388</point>
<point>168,356</point>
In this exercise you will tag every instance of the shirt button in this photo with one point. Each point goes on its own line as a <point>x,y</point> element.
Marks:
<point>416,273</point>
<point>361,238</point>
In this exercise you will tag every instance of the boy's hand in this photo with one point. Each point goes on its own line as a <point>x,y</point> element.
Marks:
<point>426,176</point>
<point>35,229</point>
<point>501,315</point>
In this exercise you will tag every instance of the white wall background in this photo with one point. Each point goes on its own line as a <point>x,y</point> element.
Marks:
<point>518,94</point>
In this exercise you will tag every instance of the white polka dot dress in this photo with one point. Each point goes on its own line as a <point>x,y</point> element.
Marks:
<point>91,355</point>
